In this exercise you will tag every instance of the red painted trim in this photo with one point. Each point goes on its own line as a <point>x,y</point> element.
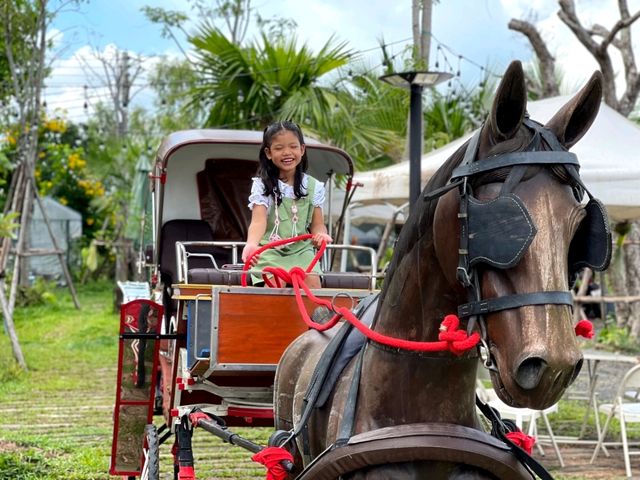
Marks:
<point>186,473</point>
<point>152,386</point>
<point>249,412</point>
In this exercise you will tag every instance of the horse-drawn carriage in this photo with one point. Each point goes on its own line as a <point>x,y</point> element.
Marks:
<point>207,341</point>
<point>497,239</point>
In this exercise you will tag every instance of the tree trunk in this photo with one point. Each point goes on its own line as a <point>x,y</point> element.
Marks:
<point>632,260</point>
<point>425,32</point>
<point>415,28</point>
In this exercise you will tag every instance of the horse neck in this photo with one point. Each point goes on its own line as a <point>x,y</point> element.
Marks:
<point>416,297</point>
<point>407,387</point>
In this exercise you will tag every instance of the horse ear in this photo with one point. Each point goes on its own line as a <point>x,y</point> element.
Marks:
<point>573,120</point>
<point>509,104</point>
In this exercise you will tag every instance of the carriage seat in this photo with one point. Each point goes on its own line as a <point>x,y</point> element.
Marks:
<point>184,231</point>
<point>227,275</point>
<point>230,275</point>
<point>342,280</point>
<point>187,231</point>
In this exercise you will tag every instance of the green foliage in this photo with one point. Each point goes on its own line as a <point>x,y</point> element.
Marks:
<point>19,24</point>
<point>41,292</point>
<point>8,225</point>
<point>90,257</point>
<point>173,81</point>
<point>249,87</point>
<point>167,18</point>
<point>367,119</point>
<point>451,115</point>
<point>61,171</point>
<point>617,338</point>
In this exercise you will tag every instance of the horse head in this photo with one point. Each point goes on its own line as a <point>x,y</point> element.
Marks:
<point>523,232</point>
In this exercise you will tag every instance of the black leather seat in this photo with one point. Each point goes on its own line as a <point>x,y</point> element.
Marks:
<point>346,280</point>
<point>185,231</point>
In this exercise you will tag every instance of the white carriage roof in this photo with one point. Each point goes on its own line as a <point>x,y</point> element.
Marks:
<point>244,145</point>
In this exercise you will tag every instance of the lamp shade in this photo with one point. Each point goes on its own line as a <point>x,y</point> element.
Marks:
<point>423,78</point>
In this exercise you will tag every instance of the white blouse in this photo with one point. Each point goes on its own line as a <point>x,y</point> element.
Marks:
<point>258,197</point>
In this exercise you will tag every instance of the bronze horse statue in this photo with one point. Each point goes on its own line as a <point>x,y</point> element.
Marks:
<point>532,350</point>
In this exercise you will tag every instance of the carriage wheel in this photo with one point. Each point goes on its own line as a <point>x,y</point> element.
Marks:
<point>151,451</point>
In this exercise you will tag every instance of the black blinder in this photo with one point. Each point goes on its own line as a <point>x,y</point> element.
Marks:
<point>500,231</point>
<point>591,245</point>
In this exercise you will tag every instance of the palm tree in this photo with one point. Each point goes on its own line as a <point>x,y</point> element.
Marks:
<point>367,120</point>
<point>249,87</point>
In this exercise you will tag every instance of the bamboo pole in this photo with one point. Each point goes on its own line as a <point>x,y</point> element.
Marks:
<point>63,263</point>
<point>11,328</point>
<point>607,298</point>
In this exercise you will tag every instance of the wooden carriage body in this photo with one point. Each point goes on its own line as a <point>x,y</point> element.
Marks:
<point>215,344</point>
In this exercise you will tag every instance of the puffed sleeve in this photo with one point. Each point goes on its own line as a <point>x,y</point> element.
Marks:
<point>257,195</point>
<point>319,195</point>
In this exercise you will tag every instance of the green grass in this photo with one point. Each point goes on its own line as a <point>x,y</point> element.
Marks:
<point>67,352</point>
<point>59,339</point>
<point>71,355</point>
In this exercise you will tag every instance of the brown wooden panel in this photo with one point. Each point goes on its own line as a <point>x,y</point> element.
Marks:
<point>257,328</point>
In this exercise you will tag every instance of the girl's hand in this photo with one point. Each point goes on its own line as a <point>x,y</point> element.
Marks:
<point>247,251</point>
<point>318,238</point>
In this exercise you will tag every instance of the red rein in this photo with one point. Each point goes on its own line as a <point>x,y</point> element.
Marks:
<point>450,338</point>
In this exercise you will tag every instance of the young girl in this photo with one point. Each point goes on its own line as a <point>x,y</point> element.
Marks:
<point>285,202</point>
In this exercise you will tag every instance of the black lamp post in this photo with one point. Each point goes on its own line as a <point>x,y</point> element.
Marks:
<point>415,81</point>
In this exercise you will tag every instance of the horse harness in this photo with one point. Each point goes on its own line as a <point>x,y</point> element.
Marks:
<point>498,232</point>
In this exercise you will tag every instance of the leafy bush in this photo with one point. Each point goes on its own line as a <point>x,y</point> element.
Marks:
<point>39,293</point>
<point>617,338</point>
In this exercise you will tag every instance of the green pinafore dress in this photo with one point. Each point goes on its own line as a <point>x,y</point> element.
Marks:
<point>292,218</point>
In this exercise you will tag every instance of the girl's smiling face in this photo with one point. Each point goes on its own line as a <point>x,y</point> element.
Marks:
<point>286,153</point>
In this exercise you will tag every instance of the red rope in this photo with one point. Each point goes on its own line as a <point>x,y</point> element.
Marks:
<point>279,243</point>
<point>450,337</point>
<point>272,457</point>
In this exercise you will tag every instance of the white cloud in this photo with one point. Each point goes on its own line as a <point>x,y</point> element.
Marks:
<point>76,85</point>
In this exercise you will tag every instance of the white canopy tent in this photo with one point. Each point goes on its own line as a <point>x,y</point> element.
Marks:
<point>609,156</point>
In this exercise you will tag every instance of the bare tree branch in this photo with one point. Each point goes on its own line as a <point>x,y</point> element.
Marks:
<point>599,31</point>
<point>569,17</point>
<point>547,61</point>
<point>622,24</point>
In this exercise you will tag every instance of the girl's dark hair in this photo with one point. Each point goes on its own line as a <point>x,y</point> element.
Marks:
<point>267,170</point>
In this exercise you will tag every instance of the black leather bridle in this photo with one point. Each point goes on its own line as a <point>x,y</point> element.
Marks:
<point>498,232</point>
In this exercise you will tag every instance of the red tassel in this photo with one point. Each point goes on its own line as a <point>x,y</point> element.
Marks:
<point>584,328</point>
<point>271,457</point>
<point>524,441</point>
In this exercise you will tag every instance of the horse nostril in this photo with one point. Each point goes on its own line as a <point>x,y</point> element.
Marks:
<point>576,371</point>
<point>530,372</point>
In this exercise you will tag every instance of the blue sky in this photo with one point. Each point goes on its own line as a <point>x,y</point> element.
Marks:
<point>475,29</point>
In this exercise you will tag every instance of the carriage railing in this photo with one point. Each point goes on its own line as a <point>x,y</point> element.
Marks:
<point>183,255</point>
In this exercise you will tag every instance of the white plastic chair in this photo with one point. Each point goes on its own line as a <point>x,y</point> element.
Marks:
<point>521,415</point>
<point>626,410</point>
